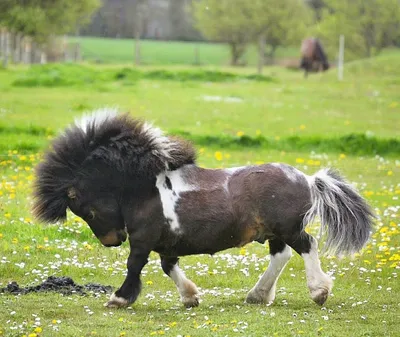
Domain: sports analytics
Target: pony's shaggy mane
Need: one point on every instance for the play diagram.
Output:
(127, 145)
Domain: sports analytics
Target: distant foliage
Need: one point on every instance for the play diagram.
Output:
(64, 75)
(225, 21)
(240, 22)
(40, 19)
(368, 26)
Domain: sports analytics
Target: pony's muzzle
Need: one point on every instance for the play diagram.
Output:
(113, 238)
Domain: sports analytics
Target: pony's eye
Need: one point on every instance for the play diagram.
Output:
(91, 214)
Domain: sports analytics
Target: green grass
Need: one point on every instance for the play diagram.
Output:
(164, 52)
(233, 122)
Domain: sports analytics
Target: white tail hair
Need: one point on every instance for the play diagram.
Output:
(345, 216)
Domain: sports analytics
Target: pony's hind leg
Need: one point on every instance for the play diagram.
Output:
(319, 283)
(264, 290)
(187, 289)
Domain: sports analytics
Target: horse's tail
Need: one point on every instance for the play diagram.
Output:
(345, 216)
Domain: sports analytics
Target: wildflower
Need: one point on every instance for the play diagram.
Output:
(258, 132)
(14, 241)
(149, 282)
(240, 133)
(299, 160)
(342, 156)
(390, 173)
(123, 333)
(38, 329)
(302, 127)
(7, 215)
(218, 155)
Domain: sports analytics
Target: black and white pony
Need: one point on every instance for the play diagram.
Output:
(126, 179)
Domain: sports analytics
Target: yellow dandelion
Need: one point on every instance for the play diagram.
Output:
(123, 333)
(14, 240)
(390, 173)
(26, 248)
(347, 122)
(1, 235)
(242, 251)
(299, 160)
(54, 321)
(218, 155)
(38, 329)
(240, 133)
(149, 282)
(7, 215)
(342, 156)
(32, 334)
(302, 127)
(258, 132)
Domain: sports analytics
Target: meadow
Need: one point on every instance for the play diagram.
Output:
(116, 51)
(234, 118)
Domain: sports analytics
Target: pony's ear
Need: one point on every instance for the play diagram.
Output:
(49, 209)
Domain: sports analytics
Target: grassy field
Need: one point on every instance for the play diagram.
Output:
(225, 113)
(165, 52)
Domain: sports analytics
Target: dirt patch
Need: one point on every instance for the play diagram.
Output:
(63, 285)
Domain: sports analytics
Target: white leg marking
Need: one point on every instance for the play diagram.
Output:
(318, 282)
(187, 289)
(264, 290)
(116, 302)
(170, 195)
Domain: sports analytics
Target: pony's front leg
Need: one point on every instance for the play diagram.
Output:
(130, 289)
(187, 289)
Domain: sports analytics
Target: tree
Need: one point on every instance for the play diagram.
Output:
(368, 25)
(226, 21)
(43, 18)
(277, 23)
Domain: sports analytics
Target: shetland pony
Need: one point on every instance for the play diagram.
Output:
(313, 56)
(127, 180)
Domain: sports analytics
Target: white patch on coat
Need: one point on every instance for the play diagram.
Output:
(96, 118)
(230, 172)
(291, 172)
(170, 197)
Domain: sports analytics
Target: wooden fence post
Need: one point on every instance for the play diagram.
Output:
(341, 58)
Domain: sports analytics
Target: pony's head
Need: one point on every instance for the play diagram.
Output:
(94, 162)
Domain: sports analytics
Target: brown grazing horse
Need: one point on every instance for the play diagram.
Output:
(313, 56)
(126, 179)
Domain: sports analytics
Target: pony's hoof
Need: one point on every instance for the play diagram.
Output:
(254, 297)
(116, 302)
(191, 302)
(320, 295)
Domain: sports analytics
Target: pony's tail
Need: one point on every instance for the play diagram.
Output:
(345, 216)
